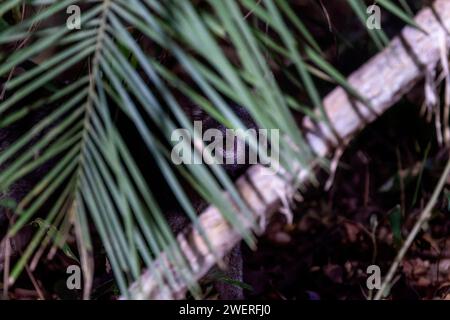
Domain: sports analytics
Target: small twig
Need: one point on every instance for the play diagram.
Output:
(6, 268)
(401, 182)
(248, 14)
(333, 167)
(20, 46)
(424, 217)
(35, 283)
(327, 16)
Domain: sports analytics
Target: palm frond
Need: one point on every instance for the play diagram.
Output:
(92, 172)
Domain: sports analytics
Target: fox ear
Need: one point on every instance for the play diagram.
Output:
(193, 111)
(197, 113)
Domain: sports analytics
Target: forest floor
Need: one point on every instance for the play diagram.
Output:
(382, 184)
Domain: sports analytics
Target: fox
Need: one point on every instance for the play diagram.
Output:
(176, 218)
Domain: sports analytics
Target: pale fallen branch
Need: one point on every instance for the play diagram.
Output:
(383, 80)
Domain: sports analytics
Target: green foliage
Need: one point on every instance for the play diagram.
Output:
(94, 176)
(395, 219)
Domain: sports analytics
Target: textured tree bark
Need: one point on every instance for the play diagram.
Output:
(383, 80)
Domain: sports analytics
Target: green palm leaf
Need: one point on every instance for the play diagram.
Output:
(94, 175)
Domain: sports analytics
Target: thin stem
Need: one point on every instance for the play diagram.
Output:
(424, 217)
